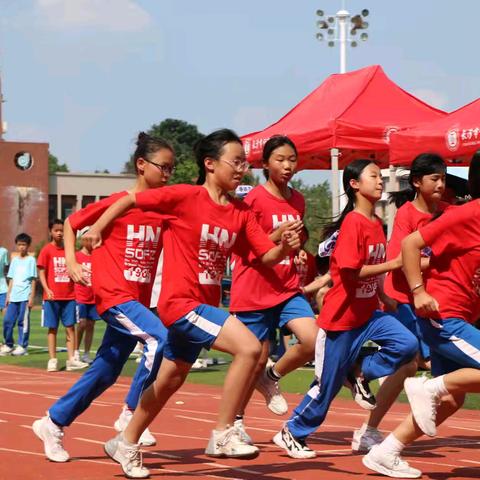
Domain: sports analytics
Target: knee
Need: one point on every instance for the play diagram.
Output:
(251, 352)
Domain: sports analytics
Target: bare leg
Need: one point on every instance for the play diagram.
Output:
(170, 378)
(465, 380)
(89, 328)
(70, 340)
(259, 368)
(235, 338)
(408, 431)
(305, 329)
(388, 393)
(79, 332)
(52, 342)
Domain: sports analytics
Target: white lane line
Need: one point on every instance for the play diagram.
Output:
(237, 469)
(195, 418)
(437, 464)
(26, 452)
(471, 461)
(157, 454)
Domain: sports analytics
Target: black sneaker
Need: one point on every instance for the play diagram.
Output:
(295, 447)
(361, 392)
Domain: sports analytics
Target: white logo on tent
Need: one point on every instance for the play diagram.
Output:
(452, 139)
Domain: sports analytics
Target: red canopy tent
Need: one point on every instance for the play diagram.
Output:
(456, 137)
(355, 112)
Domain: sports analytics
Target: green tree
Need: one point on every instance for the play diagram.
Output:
(318, 207)
(182, 136)
(54, 166)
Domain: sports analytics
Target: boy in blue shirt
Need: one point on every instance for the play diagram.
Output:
(21, 275)
(3, 280)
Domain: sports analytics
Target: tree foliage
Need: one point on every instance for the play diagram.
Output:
(182, 136)
(318, 208)
(55, 166)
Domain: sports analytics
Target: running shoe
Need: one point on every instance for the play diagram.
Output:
(389, 464)
(52, 437)
(295, 447)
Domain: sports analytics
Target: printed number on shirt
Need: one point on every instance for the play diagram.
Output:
(215, 243)
(277, 222)
(60, 270)
(368, 288)
(140, 251)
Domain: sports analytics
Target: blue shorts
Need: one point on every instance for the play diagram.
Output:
(406, 315)
(261, 322)
(87, 311)
(3, 299)
(196, 330)
(55, 310)
(454, 344)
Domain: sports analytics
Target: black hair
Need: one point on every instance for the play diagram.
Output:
(474, 176)
(272, 144)
(423, 164)
(352, 172)
(24, 238)
(212, 146)
(147, 145)
(56, 221)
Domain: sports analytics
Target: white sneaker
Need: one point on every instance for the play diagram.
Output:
(423, 404)
(228, 443)
(363, 440)
(199, 364)
(52, 437)
(19, 351)
(271, 391)
(85, 358)
(5, 350)
(146, 439)
(295, 447)
(75, 365)
(139, 359)
(128, 456)
(244, 436)
(52, 365)
(389, 464)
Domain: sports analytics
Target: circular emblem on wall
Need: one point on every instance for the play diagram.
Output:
(23, 161)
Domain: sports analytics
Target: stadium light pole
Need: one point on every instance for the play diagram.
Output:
(336, 27)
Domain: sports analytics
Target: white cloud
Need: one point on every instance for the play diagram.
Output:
(111, 15)
(432, 97)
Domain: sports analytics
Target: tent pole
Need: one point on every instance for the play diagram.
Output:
(393, 186)
(334, 153)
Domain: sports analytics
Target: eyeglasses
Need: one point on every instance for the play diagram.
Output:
(238, 165)
(166, 169)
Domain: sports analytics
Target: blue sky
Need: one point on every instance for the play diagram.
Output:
(87, 75)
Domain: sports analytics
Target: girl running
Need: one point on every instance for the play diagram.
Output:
(416, 206)
(447, 299)
(268, 298)
(203, 225)
(349, 316)
(123, 270)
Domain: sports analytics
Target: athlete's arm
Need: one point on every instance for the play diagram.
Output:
(114, 211)
(31, 298)
(289, 241)
(412, 246)
(43, 281)
(74, 269)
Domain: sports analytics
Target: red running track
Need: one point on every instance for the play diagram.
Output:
(182, 430)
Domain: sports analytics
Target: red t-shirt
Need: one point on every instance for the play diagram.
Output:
(349, 305)
(84, 293)
(454, 277)
(256, 286)
(199, 238)
(52, 259)
(123, 267)
(407, 220)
